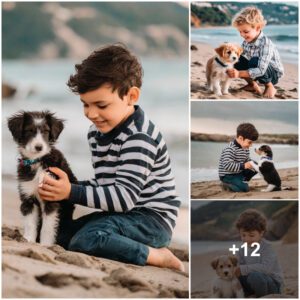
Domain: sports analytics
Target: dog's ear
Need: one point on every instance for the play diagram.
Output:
(56, 126)
(214, 263)
(240, 50)
(15, 124)
(233, 259)
(220, 50)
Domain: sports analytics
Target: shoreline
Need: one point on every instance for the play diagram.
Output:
(212, 189)
(287, 87)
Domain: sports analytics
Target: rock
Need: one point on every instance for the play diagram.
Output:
(194, 48)
(8, 91)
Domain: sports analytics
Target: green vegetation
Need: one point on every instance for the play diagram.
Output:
(221, 13)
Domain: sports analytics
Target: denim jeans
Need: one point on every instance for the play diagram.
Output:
(259, 284)
(119, 236)
(236, 182)
(245, 64)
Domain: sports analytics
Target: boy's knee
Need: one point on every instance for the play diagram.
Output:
(255, 279)
(243, 187)
(87, 242)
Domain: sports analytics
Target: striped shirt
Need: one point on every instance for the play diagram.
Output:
(233, 158)
(267, 54)
(132, 170)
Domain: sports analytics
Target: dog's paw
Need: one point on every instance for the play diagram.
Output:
(264, 190)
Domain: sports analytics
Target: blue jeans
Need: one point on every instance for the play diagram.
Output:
(259, 284)
(269, 76)
(119, 236)
(236, 182)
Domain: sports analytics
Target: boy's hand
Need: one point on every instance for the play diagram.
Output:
(248, 165)
(55, 189)
(233, 73)
(237, 272)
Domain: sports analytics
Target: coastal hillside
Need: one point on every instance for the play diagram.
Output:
(215, 220)
(221, 13)
(61, 29)
(289, 139)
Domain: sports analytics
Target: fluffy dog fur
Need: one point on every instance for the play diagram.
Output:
(218, 81)
(226, 285)
(267, 169)
(35, 134)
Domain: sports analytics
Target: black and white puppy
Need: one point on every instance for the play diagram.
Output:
(267, 169)
(35, 134)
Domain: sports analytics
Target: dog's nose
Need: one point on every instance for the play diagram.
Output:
(226, 273)
(38, 147)
(234, 58)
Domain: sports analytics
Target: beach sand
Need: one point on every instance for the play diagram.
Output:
(287, 87)
(212, 189)
(35, 271)
(202, 273)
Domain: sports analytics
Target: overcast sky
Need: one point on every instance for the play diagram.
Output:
(223, 117)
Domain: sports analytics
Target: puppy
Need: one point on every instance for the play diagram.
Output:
(35, 134)
(267, 169)
(218, 81)
(226, 285)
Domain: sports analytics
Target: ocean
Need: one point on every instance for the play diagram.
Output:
(42, 85)
(285, 37)
(205, 158)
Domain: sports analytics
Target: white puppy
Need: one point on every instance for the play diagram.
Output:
(226, 285)
(218, 81)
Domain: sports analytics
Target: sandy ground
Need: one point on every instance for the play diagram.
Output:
(31, 270)
(202, 273)
(287, 88)
(213, 190)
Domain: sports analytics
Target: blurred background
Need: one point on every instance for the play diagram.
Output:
(213, 126)
(211, 24)
(213, 232)
(42, 41)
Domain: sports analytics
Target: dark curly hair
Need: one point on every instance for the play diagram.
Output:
(247, 131)
(251, 219)
(113, 64)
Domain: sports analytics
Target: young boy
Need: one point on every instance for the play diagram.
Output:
(260, 60)
(234, 165)
(133, 184)
(259, 275)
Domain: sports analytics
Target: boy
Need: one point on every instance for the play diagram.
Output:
(234, 165)
(133, 184)
(260, 60)
(259, 275)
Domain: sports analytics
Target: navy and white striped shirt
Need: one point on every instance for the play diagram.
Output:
(132, 170)
(267, 54)
(233, 158)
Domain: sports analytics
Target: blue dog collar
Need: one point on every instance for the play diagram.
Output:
(266, 157)
(28, 162)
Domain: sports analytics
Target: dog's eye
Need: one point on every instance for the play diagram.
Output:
(221, 267)
(45, 131)
(229, 266)
(229, 52)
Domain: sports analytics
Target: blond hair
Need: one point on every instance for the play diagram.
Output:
(249, 15)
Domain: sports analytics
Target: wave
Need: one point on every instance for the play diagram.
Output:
(284, 38)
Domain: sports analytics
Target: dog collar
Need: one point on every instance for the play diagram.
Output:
(266, 157)
(28, 162)
(220, 63)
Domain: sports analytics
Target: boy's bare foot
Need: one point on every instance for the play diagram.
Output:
(270, 91)
(253, 87)
(164, 258)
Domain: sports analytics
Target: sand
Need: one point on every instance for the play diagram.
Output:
(202, 273)
(212, 189)
(287, 88)
(35, 271)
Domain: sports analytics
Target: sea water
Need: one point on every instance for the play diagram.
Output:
(285, 37)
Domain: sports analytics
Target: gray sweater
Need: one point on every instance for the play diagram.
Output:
(266, 263)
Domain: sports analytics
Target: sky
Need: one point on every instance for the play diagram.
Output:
(223, 117)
